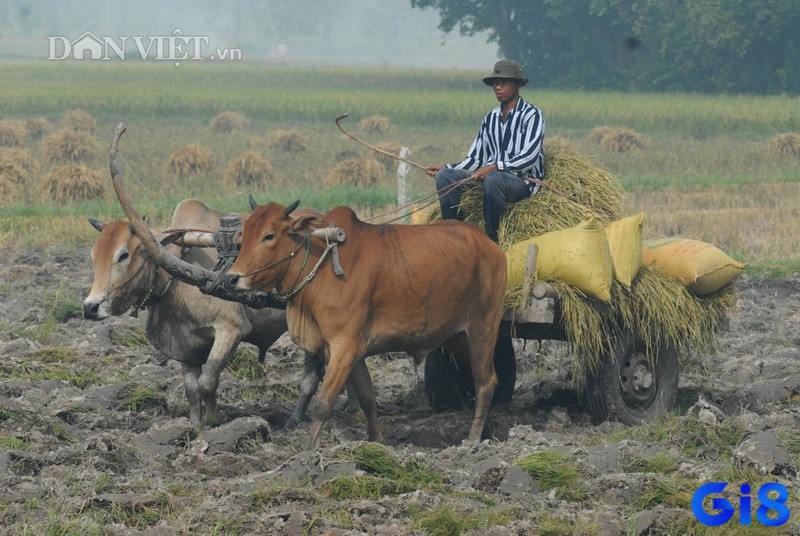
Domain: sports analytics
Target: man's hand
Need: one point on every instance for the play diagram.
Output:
(431, 170)
(481, 172)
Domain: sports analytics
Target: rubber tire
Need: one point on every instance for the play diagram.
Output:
(612, 398)
(449, 384)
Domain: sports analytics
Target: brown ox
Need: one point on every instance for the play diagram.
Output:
(405, 288)
(199, 331)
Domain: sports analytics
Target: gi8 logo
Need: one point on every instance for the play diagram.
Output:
(726, 509)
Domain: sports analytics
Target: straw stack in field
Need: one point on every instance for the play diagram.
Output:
(656, 306)
(289, 141)
(12, 133)
(190, 160)
(79, 120)
(363, 172)
(229, 122)
(249, 169)
(74, 182)
(68, 146)
(785, 145)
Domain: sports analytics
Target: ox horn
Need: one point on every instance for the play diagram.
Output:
(253, 202)
(97, 224)
(288, 210)
(205, 280)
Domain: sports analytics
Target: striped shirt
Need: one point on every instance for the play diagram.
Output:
(515, 145)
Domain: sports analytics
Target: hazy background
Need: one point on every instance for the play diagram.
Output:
(342, 32)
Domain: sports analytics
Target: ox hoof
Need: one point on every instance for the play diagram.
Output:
(291, 424)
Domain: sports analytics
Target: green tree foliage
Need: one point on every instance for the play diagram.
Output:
(660, 45)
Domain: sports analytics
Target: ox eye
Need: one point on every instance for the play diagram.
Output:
(122, 256)
(268, 237)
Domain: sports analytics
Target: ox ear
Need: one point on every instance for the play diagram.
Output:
(306, 224)
(97, 224)
(253, 202)
(288, 210)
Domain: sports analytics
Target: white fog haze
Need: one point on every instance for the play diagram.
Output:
(347, 32)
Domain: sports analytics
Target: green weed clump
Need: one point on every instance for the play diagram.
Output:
(140, 398)
(129, 337)
(385, 475)
(556, 470)
(446, 520)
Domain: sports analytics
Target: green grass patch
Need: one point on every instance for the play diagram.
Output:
(56, 354)
(663, 463)
(666, 491)
(690, 436)
(386, 475)
(12, 443)
(141, 398)
(244, 365)
(556, 470)
(446, 520)
(35, 371)
(130, 337)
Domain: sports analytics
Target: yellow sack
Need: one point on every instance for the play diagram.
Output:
(703, 267)
(625, 242)
(578, 256)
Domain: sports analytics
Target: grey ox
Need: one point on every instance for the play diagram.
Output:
(199, 331)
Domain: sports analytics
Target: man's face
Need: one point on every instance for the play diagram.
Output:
(505, 89)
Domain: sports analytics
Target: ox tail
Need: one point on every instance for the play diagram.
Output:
(262, 354)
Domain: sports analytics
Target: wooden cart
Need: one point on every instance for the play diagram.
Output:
(627, 386)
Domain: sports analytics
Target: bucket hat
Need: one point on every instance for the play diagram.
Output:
(509, 69)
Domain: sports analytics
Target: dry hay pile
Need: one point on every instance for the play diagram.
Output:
(249, 169)
(621, 140)
(346, 154)
(785, 145)
(558, 144)
(375, 124)
(16, 169)
(657, 306)
(189, 161)
(289, 141)
(597, 134)
(68, 146)
(12, 133)
(229, 122)
(37, 128)
(74, 182)
(363, 172)
(391, 147)
(79, 120)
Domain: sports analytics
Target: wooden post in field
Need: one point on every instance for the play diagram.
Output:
(403, 189)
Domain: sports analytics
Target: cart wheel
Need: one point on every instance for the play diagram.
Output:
(449, 383)
(629, 388)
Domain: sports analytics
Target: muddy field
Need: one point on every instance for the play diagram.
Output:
(95, 437)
